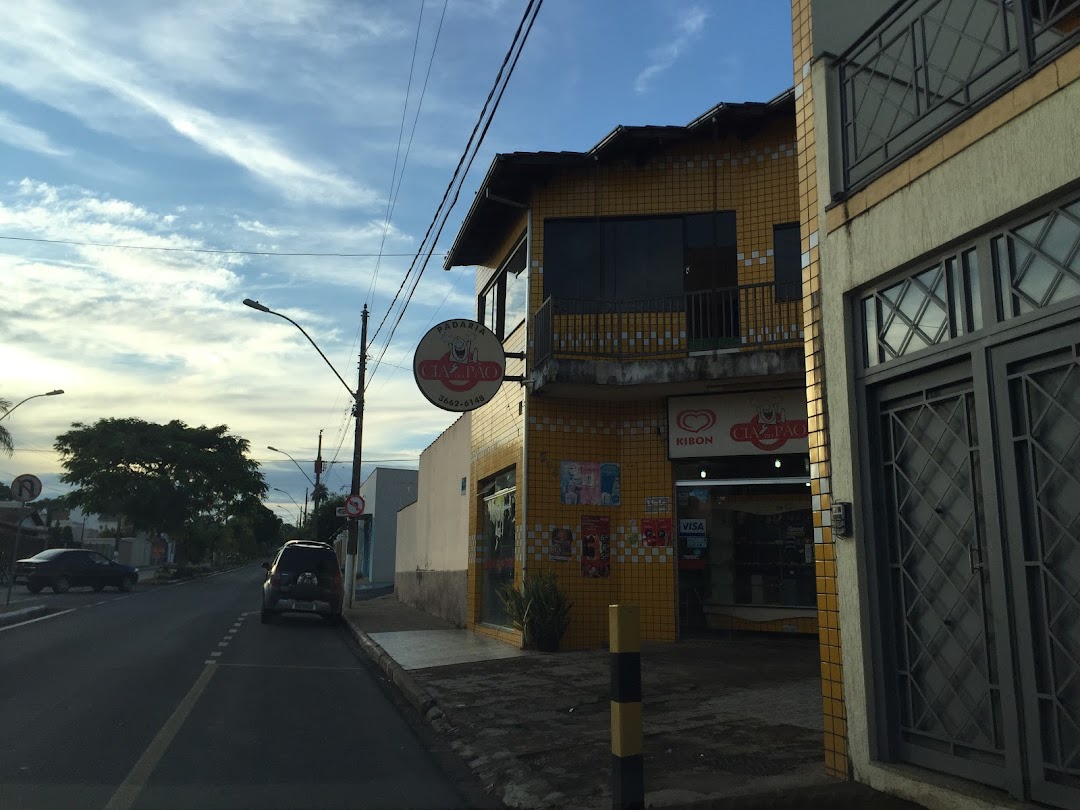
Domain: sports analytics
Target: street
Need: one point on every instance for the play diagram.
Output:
(177, 697)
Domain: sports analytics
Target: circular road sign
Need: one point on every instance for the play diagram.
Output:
(25, 488)
(354, 505)
(459, 365)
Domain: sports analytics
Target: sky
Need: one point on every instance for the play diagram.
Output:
(291, 126)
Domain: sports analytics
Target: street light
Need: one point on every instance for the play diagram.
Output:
(294, 461)
(291, 498)
(358, 436)
(57, 392)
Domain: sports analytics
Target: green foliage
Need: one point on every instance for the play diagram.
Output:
(323, 523)
(541, 610)
(6, 443)
(160, 477)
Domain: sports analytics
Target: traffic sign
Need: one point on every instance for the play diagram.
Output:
(27, 487)
(340, 512)
(354, 505)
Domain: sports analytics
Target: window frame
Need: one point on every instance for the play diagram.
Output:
(494, 293)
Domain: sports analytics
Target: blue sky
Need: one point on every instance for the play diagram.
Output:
(273, 125)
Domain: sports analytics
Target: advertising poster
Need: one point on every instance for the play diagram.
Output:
(595, 546)
(648, 531)
(561, 547)
(656, 531)
(590, 483)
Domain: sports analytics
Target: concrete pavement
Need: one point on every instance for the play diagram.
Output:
(177, 697)
(728, 721)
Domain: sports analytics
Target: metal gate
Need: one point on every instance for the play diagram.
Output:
(943, 660)
(1040, 425)
(977, 472)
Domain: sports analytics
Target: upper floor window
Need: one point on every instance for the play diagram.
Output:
(639, 258)
(787, 259)
(502, 304)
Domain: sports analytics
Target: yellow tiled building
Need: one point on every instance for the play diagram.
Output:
(649, 290)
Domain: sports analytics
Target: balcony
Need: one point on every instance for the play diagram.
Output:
(675, 343)
(926, 65)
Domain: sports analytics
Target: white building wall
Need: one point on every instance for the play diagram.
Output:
(433, 542)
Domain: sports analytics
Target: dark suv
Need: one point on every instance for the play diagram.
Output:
(303, 578)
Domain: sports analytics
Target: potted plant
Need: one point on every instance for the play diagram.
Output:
(540, 609)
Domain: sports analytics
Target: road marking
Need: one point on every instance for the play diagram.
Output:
(290, 666)
(223, 644)
(38, 619)
(131, 787)
(232, 631)
(215, 654)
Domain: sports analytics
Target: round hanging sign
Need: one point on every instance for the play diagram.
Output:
(459, 365)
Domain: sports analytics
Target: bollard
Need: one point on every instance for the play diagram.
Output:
(627, 762)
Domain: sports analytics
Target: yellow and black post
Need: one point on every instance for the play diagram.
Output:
(627, 763)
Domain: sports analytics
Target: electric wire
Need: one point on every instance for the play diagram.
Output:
(218, 251)
(454, 179)
(486, 127)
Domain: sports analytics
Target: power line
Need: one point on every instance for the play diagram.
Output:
(166, 249)
(457, 170)
(527, 24)
(397, 151)
(392, 203)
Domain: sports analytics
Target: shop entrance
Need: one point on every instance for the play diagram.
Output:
(745, 546)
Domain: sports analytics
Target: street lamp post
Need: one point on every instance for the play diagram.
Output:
(358, 436)
(57, 392)
(291, 498)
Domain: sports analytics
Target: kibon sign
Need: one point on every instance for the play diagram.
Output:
(459, 365)
(737, 424)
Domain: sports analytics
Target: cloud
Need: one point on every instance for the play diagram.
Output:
(689, 25)
(162, 335)
(24, 137)
(56, 56)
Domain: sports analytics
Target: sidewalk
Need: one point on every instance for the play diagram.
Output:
(726, 718)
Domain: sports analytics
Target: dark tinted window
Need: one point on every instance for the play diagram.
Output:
(571, 266)
(788, 262)
(301, 558)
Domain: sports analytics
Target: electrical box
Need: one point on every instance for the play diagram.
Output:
(841, 519)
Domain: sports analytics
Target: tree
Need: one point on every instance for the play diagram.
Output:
(160, 477)
(6, 443)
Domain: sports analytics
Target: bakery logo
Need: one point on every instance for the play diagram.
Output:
(695, 421)
(459, 365)
(461, 368)
(769, 429)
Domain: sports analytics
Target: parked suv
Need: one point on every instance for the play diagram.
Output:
(303, 578)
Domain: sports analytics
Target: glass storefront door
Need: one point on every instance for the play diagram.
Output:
(498, 502)
(743, 546)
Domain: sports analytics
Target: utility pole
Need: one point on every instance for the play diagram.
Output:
(303, 519)
(352, 545)
(315, 494)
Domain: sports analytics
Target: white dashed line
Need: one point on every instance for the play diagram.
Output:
(215, 654)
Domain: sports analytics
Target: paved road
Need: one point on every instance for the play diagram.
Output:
(177, 697)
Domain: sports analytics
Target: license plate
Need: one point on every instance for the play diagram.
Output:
(303, 606)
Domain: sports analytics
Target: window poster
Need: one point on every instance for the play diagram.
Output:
(595, 546)
(561, 547)
(590, 483)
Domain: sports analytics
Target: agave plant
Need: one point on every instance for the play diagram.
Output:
(540, 609)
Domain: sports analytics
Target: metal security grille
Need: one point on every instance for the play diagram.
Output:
(948, 708)
(1038, 263)
(1044, 395)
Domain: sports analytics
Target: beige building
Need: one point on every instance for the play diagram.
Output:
(432, 533)
(939, 173)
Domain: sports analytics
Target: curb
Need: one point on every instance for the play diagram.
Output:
(421, 699)
(24, 614)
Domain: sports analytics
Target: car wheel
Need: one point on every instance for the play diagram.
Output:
(266, 616)
(34, 587)
(333, 619)
(127, 584)
(61, 585)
